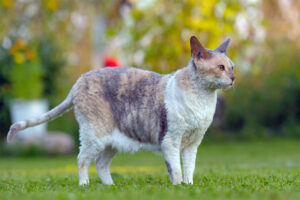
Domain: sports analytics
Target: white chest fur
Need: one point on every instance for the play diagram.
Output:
(188, 110)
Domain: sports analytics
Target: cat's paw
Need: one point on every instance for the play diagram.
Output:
(176, 183)
(84, 182)
(188, 181)
(108, 183)
(177, 180)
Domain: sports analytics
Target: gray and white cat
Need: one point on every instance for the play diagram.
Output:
(127, 110)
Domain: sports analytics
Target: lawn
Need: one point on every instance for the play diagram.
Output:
(256, 170)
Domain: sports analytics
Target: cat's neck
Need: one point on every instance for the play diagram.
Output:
(188, 99)
(189, 79)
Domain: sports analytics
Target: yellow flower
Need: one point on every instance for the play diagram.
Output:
(52, 5)
(19, 58)
(7, 3)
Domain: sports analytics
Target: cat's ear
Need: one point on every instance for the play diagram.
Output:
(197, 50)
(223, 47)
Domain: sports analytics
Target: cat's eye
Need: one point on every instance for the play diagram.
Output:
(221, 67)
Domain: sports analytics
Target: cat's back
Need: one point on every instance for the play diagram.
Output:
(128, 98)
(119, 83)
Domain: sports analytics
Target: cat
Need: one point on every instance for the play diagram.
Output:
(127, 109)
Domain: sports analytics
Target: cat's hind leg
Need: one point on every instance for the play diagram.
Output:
(89, 150)
(103, 163)
(83, 162)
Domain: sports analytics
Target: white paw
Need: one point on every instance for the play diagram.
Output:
(84, 182)
(108, 183)
(188, 182)
(177, 180)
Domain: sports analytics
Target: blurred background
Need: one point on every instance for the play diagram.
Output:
(46, 45)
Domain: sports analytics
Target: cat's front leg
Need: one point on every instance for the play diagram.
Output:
(171, 152)
(188, 160)
(189, 154)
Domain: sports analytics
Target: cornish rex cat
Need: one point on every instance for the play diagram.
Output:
(127, 110)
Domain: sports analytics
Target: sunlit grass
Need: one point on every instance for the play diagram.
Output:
(261, 170)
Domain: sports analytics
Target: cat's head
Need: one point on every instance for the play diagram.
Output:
(213, 67)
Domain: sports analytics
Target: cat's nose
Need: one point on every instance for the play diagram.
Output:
(232, 78)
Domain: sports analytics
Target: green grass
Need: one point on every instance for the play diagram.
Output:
(260, 170)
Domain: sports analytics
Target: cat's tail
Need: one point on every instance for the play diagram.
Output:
(52, 114)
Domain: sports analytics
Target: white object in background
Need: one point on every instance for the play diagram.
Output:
(21, 110)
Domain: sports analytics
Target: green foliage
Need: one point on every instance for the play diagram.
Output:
(257, 170)
(52, 61)
(162, 30)
(26, 80)
(30, 71)
(4, 92)
(268, 100)
(22, 70)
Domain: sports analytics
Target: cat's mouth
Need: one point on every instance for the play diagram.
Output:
(227, 86)
(221, 84)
